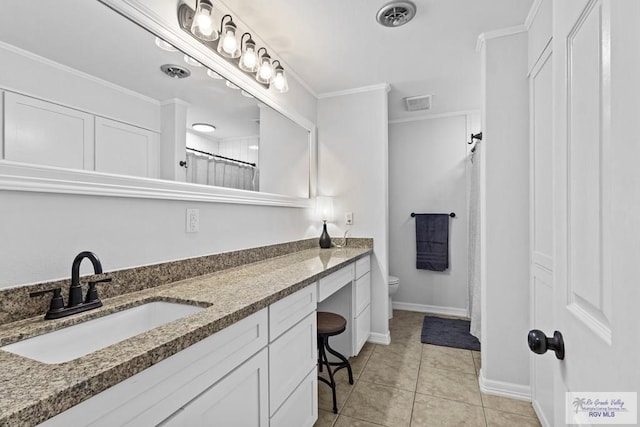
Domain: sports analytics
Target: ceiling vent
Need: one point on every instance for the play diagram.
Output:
(396, 13)
(175, 71)
(418, 103)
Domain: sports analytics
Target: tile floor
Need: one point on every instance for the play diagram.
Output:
(409, 383)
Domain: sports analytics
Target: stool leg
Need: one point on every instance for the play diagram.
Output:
(325, 361)
(319, 354)
(345, 362)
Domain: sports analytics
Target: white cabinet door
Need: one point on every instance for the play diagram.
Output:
(43, 133)
(291, 357)
(301, 408)
(126, 150)
(240, 399)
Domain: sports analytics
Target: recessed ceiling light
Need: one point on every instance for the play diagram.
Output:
(203, 127)
(231, 85)
(214, 75)
(165, 45)
(189, 60)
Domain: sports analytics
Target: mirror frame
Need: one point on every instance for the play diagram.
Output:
(15, 176)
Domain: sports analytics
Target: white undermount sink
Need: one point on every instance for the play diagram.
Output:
(74, 341)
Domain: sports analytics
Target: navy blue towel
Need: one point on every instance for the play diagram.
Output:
(432, 241)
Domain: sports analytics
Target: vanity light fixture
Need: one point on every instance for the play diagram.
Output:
(199, 23)
(265, 69)
(245, 94)
(164, 45)
(202, 25)
(231, 85)
(228, 45)
(279, 80)
(189, 60)
(214, 75)
(249, 59)
(203, 127)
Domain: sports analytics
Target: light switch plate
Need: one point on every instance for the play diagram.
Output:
(193, 220)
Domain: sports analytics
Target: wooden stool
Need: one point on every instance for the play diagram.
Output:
(330, 324)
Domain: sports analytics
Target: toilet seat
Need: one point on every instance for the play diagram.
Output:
(393, 280)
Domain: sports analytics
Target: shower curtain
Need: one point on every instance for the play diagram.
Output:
(205, 170)
(474, 241)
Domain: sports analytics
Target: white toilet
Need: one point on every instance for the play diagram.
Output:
(394, 285)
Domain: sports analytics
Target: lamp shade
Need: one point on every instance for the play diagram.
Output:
(324, 208)
(203, 26)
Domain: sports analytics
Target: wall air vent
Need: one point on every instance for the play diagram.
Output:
(418, 103)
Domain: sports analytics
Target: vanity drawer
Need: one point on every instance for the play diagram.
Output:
(290, 310)
(333, 282)
(363, 266)
(362, 294)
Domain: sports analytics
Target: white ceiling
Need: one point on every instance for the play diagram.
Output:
(336, 45)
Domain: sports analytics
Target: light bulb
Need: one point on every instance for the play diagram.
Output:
(249, 59)
(202, 26)
(278, 81)
(266, 71)
(230, 44)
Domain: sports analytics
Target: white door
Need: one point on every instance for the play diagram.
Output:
(596, 197)
(541, 238)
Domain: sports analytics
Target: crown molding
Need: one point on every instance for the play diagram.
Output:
(381, 86)
(482, 38)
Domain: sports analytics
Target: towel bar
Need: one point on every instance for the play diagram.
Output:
(452, 214)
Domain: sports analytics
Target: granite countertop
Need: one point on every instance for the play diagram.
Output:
(32, 392)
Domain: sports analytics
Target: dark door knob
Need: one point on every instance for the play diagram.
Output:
(539, 343)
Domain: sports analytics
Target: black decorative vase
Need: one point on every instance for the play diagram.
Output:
(325, 240)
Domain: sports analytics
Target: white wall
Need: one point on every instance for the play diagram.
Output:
(427, 174)
(42, 233)
(505, 215)
(353, 168)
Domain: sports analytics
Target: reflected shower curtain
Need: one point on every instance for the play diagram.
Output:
(474, 242)
(205, 170)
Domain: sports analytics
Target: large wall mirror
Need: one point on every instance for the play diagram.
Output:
(87, 91)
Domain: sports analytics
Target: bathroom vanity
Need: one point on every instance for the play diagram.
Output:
(247, 358)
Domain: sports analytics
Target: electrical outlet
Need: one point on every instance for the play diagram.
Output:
(348, 218)
(193, 220)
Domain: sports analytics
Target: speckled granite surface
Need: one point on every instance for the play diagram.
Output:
(31, 392)
(15, 303)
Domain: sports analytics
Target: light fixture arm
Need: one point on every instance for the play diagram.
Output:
(243, 42)
(222, 21)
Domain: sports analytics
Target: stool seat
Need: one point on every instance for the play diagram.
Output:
(330, 324)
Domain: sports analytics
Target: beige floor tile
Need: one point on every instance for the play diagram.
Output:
(475, 354)
(410, 350)
(379, 404)
(455, 359)
(343, 389)
(434, 411)
(504, 404)
(478, 364)
(344, 421)
(451, 385)
(358, 363)
(505, 419)
(393, 370)
(325, 419)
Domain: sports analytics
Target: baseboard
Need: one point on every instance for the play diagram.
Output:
(377, 338)
(504, 389)
(433, 309)
(543, 420)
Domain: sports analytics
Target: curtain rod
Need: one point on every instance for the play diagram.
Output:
(221, 157)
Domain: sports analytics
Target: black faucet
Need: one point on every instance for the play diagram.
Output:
(75, 291)
(76, 303)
